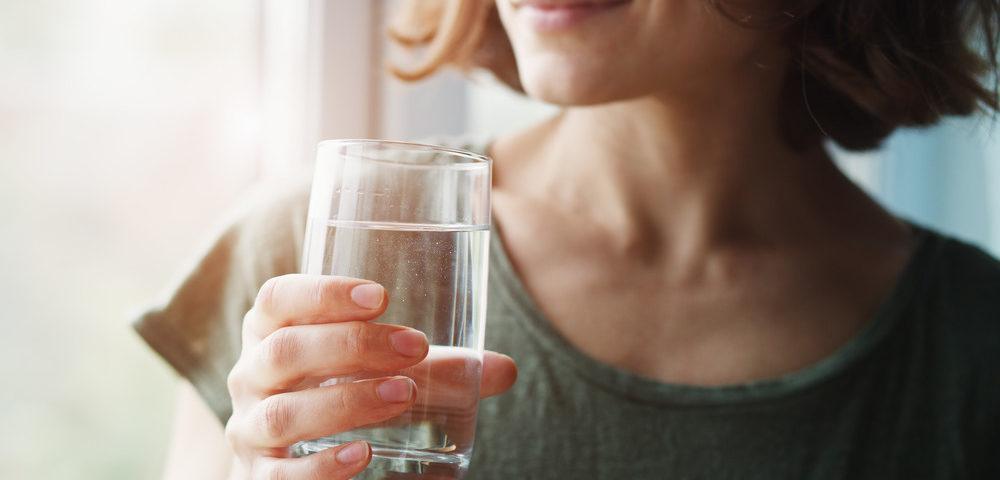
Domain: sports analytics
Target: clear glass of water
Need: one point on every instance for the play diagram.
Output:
(414, 218)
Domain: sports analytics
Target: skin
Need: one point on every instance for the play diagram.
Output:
(664, 226)
(303, 327)
(661, 223)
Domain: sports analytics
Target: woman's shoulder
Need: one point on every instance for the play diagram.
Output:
(961, 301)
(266, 227)
(970, 277)
(272, 208)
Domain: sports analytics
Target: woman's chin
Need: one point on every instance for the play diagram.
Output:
(571, 89)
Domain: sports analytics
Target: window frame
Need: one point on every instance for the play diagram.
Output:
(306, 96)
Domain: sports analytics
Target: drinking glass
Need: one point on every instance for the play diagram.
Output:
(414, 218)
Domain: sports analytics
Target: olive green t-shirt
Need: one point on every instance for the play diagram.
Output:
(915, 395)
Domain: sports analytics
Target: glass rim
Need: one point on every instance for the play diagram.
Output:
(473, 159)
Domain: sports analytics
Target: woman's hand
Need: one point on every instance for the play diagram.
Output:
(304, 327)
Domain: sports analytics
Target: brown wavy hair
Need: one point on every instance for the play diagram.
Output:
(864, 67)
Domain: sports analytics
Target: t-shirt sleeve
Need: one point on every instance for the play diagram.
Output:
(197, 328)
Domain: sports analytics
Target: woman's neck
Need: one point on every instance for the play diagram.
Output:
(683, 178)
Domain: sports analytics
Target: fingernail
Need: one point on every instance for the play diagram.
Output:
(397, 390)
(353, 453)
(369, 295)
(412, 343)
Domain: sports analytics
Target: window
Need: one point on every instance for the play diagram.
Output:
(126, 126)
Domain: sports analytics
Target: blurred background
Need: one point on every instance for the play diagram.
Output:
(129, 127)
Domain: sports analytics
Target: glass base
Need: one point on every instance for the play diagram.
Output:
(396, 464)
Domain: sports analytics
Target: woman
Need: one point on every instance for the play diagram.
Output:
(689, 286)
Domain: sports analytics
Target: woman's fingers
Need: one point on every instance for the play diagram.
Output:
(452, 377)
(337, 463)
(309, 327)
(499, 374)
(281, 420)
(307, 299)
(290, 354)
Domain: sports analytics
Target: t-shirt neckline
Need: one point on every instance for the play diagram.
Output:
(911, 280)
(908, 284)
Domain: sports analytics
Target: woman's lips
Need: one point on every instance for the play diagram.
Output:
(550, 15)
